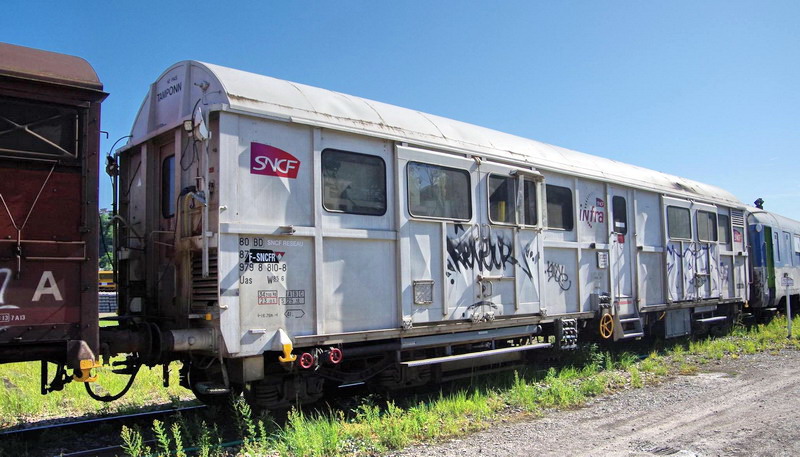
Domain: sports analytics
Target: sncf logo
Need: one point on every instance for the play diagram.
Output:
(269, 160)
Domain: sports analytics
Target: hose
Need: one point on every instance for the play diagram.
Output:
(110, 398)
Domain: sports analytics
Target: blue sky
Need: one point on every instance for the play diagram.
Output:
(707, 90)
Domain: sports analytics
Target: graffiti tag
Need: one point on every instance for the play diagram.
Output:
(487, 253)
(558, 273)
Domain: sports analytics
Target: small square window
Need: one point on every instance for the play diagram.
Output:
(559, 208)
(502, 199)
(438, 192)
(353, 183)
(679, 223)
(706, 226)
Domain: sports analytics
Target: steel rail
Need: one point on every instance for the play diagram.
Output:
(28, 432)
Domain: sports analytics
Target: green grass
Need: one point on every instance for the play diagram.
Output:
(372, 429)
(377, 427)
(21, 400)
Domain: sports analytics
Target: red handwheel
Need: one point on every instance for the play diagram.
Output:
(306, 360)
(335, 356)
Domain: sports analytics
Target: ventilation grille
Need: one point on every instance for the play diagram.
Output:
(205, 292)
(737, 217)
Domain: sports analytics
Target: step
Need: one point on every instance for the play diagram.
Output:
(210, 388)
(631, 335)
(475, 355)
(629, 319)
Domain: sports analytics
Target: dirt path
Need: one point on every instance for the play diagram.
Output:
(748, 406)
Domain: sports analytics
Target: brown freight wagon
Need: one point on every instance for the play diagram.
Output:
(49, 142)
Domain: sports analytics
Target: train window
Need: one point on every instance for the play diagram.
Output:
(679, 222)
(776, 243)
(353, 183)
(529, 199)
(787, 242)
(502, 199)
(168, 187)
(724, 223)
(39, 129)
(797, 244)
(440, 192)
(559, 208)
(620, 213)
(706, 226)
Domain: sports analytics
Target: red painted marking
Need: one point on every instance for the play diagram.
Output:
(271, 161)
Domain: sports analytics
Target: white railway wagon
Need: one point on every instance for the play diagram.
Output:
(277, 227)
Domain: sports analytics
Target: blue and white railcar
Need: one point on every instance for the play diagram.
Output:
(775, 259)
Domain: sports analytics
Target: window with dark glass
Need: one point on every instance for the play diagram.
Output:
(530, 205)
(502, 199)
(440, 192)
(168, 187)
(706, 226)
(503, 205)
(353, 183)
(679, 223)
(724, 228)
(620, 214)
(559, 208)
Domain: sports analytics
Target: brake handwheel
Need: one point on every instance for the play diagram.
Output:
(606, 326)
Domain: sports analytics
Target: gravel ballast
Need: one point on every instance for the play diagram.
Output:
(745, 406)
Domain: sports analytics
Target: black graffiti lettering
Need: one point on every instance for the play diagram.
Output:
(558, 273)
(486, 253)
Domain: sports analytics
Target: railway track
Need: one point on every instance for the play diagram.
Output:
(81, 438)
(71, 438)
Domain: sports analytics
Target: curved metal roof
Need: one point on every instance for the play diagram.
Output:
(762, 216)
(36, 64)
(262, 95)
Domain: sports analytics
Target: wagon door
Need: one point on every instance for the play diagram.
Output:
(163, 238)
(622, 265)
(440, 235)
(692, 261)
(508, 258)
(706, 277)
(679, 267)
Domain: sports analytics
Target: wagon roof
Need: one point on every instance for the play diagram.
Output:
(762, 216)
(38, 65)
(262, 95)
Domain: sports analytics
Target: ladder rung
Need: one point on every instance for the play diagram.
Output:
(632, 335)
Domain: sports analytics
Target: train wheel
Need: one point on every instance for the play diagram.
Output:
(607, 326)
